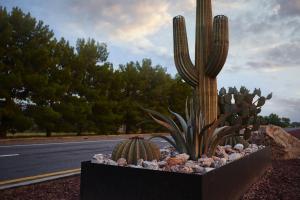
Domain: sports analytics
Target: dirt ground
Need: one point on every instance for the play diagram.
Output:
(282, 182)
(57, 139)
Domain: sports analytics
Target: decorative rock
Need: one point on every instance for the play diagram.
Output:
(253, 147)
(165, 153)
(140, 162)
(206, 162)
(122, 162)
(178, 160)
(110, 162)
(283, 144)
(135, 166)
(248, 150)
(208, 169)
(218, 162)
(228, 149)
(174, 154)
(151, 165)
(234, 156)
(174, 168)
(239, 147)
(220, 152)
(198, 169)
(187, 170)
(162, 164)
(98, 159)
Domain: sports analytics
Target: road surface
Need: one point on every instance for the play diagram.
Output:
(18, 161)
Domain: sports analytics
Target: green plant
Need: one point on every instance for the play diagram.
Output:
(244, 107)
(134, 149)
(210, 56)
(192, 136)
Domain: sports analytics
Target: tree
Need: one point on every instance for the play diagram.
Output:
(25, 57)
(285, 122)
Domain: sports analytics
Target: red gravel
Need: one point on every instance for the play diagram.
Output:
(295, 133)
(60, 189)
(280, 183)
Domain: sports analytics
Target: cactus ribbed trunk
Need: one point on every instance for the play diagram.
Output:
(210, 55)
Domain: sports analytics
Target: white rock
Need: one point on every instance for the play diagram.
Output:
(220, 152)
(248, 150)
(140, 162)
(184, 157)
(239, 147)
(234, 156)
(219, 162)
(162, 164)
(186, 169)
(151, 165)
(110, 162)
(122, 162)
(198, 169)
(254, 147)
(208, 169)
(98, 158)
(228, 146)
(174, 168)
(135, 166)
(206, 162)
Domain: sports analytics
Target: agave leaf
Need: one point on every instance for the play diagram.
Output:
(164, 118)
(172, 126)
(181, 121)
(219, 135)
(162, 123)
(187, 115)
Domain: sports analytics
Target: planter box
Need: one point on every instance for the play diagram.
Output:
(227, 182)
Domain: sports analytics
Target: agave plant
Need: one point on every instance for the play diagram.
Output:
(191, 135)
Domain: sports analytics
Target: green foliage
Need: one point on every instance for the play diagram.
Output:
(245, 107)
(191, 135)
(134, 149)
(274, 119)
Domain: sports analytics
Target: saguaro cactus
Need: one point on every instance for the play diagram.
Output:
(211, 53)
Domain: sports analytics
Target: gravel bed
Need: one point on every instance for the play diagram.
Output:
(282, 182)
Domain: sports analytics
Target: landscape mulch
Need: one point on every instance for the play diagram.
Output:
(282, 182)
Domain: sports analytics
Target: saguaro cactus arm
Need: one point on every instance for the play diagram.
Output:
(220, 45)
(183, 61)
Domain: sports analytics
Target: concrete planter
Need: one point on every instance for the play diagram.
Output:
(227, 182)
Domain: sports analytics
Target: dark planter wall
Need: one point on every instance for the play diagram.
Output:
(116, 183)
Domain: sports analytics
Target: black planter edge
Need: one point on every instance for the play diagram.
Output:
(231, 180)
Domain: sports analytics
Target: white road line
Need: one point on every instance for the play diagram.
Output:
(9, 155)
(58, 143)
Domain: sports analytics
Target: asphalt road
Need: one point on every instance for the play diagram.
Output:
(17, 161)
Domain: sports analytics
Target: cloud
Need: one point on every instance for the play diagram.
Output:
(284, 107)
(289, 8)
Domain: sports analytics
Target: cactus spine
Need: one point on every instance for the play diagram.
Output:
(134, 149)
(210, 55)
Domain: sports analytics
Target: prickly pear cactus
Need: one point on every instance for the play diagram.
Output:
(134, 149)
(245, 107)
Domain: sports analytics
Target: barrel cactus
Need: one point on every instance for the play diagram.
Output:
(134, 149)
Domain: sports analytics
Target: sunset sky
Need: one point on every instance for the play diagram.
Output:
(264, 38)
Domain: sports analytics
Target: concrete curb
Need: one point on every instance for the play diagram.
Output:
(39, 180)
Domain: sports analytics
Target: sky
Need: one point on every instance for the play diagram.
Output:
(264, 38)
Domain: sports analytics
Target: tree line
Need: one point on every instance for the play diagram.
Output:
(48, 85)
